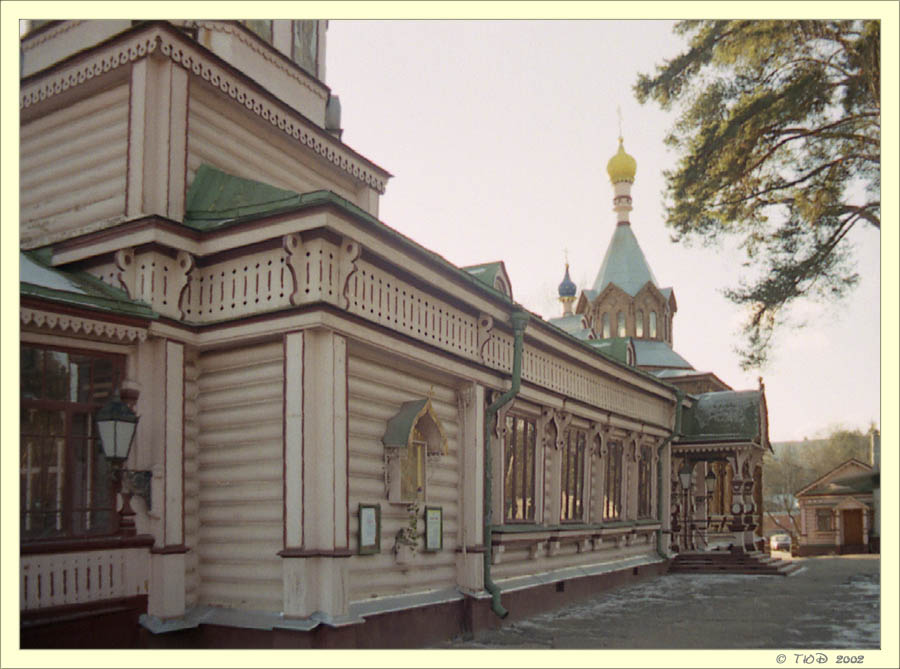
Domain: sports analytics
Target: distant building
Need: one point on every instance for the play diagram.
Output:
(342, 439)
(837, 511)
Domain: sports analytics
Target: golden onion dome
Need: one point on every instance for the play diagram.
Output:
(621, 167)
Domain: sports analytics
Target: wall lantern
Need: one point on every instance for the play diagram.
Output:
(710, 482)
(116, 424)
(685, 474)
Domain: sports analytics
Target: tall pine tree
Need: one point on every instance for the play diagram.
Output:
(779, 137)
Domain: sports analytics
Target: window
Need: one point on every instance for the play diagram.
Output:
(65, 486)
(305, 45)
(612, 488)
(260, 27)
(519, 461)
(653, 325)
(824, 520)
(639, 323)
(605, 322)
(645, 483)
(621, 324)
(572, 474)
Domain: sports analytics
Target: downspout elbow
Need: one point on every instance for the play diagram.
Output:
(519, 320)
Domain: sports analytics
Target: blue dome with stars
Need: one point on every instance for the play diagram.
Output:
(567, 288)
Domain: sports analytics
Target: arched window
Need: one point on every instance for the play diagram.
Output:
(612, 484)
(639, 323)
(572, 475)
(645, 483)
(605, 321)
(652, 325)
(620, 326)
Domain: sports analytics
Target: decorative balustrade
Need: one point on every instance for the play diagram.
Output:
(57, 579)
(298, 272)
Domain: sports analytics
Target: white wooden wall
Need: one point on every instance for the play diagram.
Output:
(191, 479)
(376, 392)
(73, 167)
(240, 477)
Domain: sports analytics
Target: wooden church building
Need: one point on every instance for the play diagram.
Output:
(339, 438)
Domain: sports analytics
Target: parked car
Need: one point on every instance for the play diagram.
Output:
(780, 542)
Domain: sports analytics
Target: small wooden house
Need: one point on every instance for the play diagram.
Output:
(837, 511)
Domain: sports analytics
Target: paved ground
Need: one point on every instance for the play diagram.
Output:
(832, 602)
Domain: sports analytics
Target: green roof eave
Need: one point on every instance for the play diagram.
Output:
(95, 302)
(39, 280)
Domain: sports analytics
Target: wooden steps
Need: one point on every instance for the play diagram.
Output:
(728, 562)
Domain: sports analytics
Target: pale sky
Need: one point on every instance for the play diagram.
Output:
(498, 133)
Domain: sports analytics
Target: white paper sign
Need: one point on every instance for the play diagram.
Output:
(368, 526)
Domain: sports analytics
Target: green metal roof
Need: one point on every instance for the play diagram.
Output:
(216, 197)
(573, 324)
(615, 347)
(38, 279)
(624, 263)
(652, 353)
(725, 415)
(486, 272)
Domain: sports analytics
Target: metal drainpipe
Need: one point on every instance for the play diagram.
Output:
(679, 398)
(519, 320)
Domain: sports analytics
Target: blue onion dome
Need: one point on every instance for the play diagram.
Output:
(567, 288)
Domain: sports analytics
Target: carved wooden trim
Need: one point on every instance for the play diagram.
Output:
(30, 43)
(349, 254)
(485, 325)
(110, 58)
(294, 72)
(292, 245)
(561, 421)
(76, 324)
(139, 46)
(185, 263)
(127, 275)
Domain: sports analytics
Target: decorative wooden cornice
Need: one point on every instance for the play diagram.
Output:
(102, 60)
(272, 57)
(66, 323)
(51, 32)
(198, 61)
